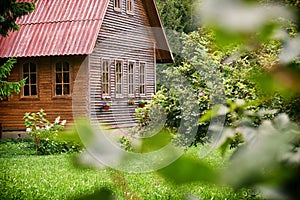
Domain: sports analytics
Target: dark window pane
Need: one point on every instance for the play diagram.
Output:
(32, 67)
(66, 67)
(33, 90)
(26, 90)
(58, 67)
(58, 78)
(58, 90)
(33, 79)
(66, 89)
(26, 67)
(66, 78)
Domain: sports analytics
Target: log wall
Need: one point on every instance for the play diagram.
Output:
(13, 110)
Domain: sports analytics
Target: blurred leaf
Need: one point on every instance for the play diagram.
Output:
(156, 142)
(70, 136)
(102, 194)
(267, 31)
(259, 160)
(217, 110)
(227, 38)
(185, 170)
(270, 83)
(83, 131)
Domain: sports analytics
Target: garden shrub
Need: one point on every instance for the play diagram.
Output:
(45, 134)
(205, 62)
(49, 147)
(17, 147)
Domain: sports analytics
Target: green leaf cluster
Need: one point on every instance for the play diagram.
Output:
(8, 88)
(10, 11)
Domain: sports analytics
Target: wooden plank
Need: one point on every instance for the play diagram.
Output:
(13, 110)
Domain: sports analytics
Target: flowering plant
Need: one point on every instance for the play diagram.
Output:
(131, 102)
(106, 104)
(40, 128)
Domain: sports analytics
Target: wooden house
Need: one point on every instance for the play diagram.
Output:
(78, 54)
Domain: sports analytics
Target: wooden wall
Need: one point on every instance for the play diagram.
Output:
(13, 110)
(123, 37)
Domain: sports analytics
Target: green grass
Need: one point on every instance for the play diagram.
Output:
(55, 177)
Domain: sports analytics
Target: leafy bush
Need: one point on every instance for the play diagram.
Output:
(217, 74)
(125, 143)
(17, 147)
(49, 147)
(45, 134)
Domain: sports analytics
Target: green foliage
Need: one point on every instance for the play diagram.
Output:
(49, 147)
(125, 143)
(177, 15)
(185, 169)
(142, 116)
(10, 11)
(7, 88)
(48, 136)
(17, 147)
(40, 128)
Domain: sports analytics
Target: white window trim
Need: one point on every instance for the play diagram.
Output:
(145, 78)
(130, 12)
(116, 8)
(133, 73)
(122, 79)
(109, 78)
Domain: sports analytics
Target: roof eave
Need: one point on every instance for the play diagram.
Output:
(164, 53)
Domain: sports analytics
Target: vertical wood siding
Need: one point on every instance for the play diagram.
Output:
(123, 37)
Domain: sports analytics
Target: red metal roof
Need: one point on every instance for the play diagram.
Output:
(56, 27)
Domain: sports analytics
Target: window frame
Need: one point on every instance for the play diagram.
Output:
(22, 96)
(130, 12)
(145, 79)
(63, 96)
(116, 8)
(119, 95)
(133, 73)
(108, 95)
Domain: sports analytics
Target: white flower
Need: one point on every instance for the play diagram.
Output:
(63, 122)
(47, 127)
(37, 127)
(28, 130)
(57, 120)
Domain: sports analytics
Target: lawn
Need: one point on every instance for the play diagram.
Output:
(25, 176)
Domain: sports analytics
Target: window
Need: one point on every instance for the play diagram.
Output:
(105, 77)
(62, 79)
(119, 74)
(130, 6)
(142, 77)
(30, 72)
(130, 78)
(118, 5)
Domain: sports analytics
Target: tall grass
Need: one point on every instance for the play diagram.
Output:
(55, 177)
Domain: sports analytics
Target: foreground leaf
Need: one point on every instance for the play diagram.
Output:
(186, 170)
